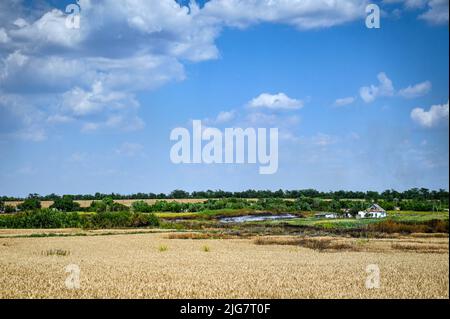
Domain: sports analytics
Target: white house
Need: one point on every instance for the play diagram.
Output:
(374, 211)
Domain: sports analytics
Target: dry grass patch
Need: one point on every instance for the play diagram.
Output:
(421, 248)
(199, 236)
(320, 244)
(330, 244)
(392, 226)
(56, 252)
(429, 235)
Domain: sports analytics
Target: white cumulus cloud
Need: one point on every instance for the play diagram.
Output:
(416, 90)
(300, 14)
(384, 88)
(3, 36)
(344, 101)
(224, 116)
(437, 12)
(275, 101)
(436, 115)
(130, 46)
(80, 102)
(434, 12)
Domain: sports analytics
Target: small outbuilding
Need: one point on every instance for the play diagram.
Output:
(326, 215)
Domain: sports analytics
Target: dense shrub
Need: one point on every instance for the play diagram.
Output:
(10, 209)
(438, 226)
(119, 220)
(44, 218)
(108, 220)
(163, 206)
(143, 220)
(7, 209)
(141, 206)
(49, 218)
(107, 205)
(419, 205)
(65, 204)
(30, 203)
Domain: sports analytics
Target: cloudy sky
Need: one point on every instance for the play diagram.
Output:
(91, 109)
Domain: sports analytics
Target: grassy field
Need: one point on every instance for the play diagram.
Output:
(209, 214)
(416, 216)
(349, 223)
(151, 265)
(331, 223)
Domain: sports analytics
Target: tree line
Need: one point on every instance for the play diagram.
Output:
(67, 204)
(387, 195)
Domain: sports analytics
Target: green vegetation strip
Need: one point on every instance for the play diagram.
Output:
(48, 218)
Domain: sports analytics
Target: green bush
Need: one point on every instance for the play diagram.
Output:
(419, 205)
(49, 218)
(109, 220)
(65, 204)
(44, 218)
(30, 203)
(143, 220)
(120, 220)
(141, 207)
(9, 209)
(107, 204)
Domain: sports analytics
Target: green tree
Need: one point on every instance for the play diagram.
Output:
(9, 209)
(107, 204)
(65, 204)
(141, 207)
(179, 194)
(31, 203)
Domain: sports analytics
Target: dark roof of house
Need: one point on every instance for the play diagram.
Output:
(375, 208)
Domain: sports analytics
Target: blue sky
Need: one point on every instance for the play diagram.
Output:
(91, 109)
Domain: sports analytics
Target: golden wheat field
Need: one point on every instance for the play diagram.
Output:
(164, 265)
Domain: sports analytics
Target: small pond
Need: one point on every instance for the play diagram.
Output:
(255, 218)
